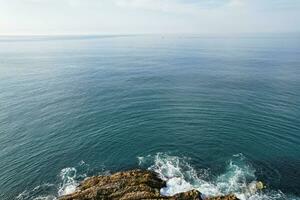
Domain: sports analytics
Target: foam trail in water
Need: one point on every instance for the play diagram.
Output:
(180, 176)
(69, 183)
(35, 193)
(69, 179)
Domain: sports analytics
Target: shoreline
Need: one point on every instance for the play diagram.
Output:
(131, 185)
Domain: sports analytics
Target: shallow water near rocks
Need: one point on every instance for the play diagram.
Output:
(210, 113)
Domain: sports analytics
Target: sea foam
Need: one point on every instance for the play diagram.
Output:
(68, 180)
(180, 176)
(69, 183)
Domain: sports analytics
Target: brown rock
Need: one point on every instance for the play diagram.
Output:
(226, 197)
(129, 185)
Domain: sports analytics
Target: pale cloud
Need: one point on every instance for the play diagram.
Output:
(176, 6)
(157, 5)
(148, 16)
(236, 3)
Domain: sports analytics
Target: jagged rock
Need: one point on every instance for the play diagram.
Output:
(129, 185)
(190, 195)
(226, 197)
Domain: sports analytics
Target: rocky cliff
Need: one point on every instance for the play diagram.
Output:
(130, 185)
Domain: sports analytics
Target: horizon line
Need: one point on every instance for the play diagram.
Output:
(142, 34)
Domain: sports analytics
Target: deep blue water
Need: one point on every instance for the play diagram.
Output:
(219, 112)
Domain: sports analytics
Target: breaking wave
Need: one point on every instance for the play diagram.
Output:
(35, 194)
(180, 176)
(67, 182)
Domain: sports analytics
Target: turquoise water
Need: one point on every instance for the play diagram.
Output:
(214, 112)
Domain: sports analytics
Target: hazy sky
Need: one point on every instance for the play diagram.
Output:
(148, 16)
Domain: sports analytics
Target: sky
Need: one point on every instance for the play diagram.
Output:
(55, 17)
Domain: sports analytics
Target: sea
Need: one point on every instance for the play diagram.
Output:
(212, 113)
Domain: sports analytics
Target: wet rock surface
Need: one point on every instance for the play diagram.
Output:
(130, 185)
(227, 197)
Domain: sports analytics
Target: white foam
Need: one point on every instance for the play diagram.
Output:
(69, 180)
(50, 197)
(69, 183)
(35, 193)
(180, 176)
(175, 185)
(22, 195)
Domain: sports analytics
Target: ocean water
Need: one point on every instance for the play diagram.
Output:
(209, 113)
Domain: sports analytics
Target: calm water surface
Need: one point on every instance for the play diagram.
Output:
(218, 112)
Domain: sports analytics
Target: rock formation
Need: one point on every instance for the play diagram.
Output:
(130, 185)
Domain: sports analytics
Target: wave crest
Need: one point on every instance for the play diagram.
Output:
(180, 176)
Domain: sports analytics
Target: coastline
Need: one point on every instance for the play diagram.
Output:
(132, 185)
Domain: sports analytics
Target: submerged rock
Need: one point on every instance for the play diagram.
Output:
(130, 185)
